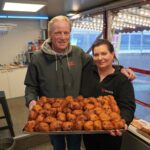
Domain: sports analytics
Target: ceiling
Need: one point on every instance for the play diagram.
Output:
(124, 20)
(62, 7)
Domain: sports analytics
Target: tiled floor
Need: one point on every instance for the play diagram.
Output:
(19, 114)
(45, 146)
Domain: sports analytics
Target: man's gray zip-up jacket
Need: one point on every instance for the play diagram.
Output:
(53, 74)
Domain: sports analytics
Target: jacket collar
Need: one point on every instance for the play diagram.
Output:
(46, 48)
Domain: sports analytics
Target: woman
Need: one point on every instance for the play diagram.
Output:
(101, 78)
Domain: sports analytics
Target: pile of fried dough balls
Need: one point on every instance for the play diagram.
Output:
(74, 114)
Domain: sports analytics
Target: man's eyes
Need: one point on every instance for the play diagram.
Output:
(60, 33)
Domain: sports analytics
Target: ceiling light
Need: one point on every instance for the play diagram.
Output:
(22, 7)
(75, 17)
(70, 14)
(24, 17)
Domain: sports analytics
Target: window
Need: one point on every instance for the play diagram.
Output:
(124, 44)
(83, 38)
(135, 41)
(146, 42)
(134, 51)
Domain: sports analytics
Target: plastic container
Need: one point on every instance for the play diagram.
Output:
(7, 144)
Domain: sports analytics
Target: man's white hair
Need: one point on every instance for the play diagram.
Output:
(58, 18)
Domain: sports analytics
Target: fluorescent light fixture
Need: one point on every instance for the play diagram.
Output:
(3, 16)
(70, 14)
(27, 17)
(75, 16)
(24, 17)
(22, 7)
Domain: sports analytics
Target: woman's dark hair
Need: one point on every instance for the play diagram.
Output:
(103, 42)
(107, 43)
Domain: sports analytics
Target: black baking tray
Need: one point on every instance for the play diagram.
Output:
(74, 132)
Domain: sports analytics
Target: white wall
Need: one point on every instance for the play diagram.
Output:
(16, 40)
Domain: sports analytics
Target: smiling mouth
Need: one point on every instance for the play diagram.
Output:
(101, 63)
(62, 42)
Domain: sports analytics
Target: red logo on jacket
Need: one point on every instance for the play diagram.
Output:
(71, 63)
(106, 91)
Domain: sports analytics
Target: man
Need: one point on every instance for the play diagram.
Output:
(55, 71)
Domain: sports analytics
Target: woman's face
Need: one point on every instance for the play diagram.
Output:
(103, 58)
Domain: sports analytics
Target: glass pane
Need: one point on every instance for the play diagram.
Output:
(135, 42)
(142, 87)
(146, 42)
(124, 42)
(83, 38)
(133, 50)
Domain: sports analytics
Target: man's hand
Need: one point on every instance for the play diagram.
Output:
(31, 104)
(117, 132)
(128, 73)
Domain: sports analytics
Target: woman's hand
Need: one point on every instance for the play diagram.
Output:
(117, 132)
(129, 73)
(31, 104)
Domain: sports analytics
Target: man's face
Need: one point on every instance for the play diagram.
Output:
(60, 35)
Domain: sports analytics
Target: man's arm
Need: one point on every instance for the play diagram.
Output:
(31, 104)
(129, 73)
(31, 82)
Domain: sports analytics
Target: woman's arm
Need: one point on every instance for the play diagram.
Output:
(126, 103)
(126, 100)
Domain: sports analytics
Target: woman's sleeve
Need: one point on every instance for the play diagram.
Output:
(126, 100)
(85, 87)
